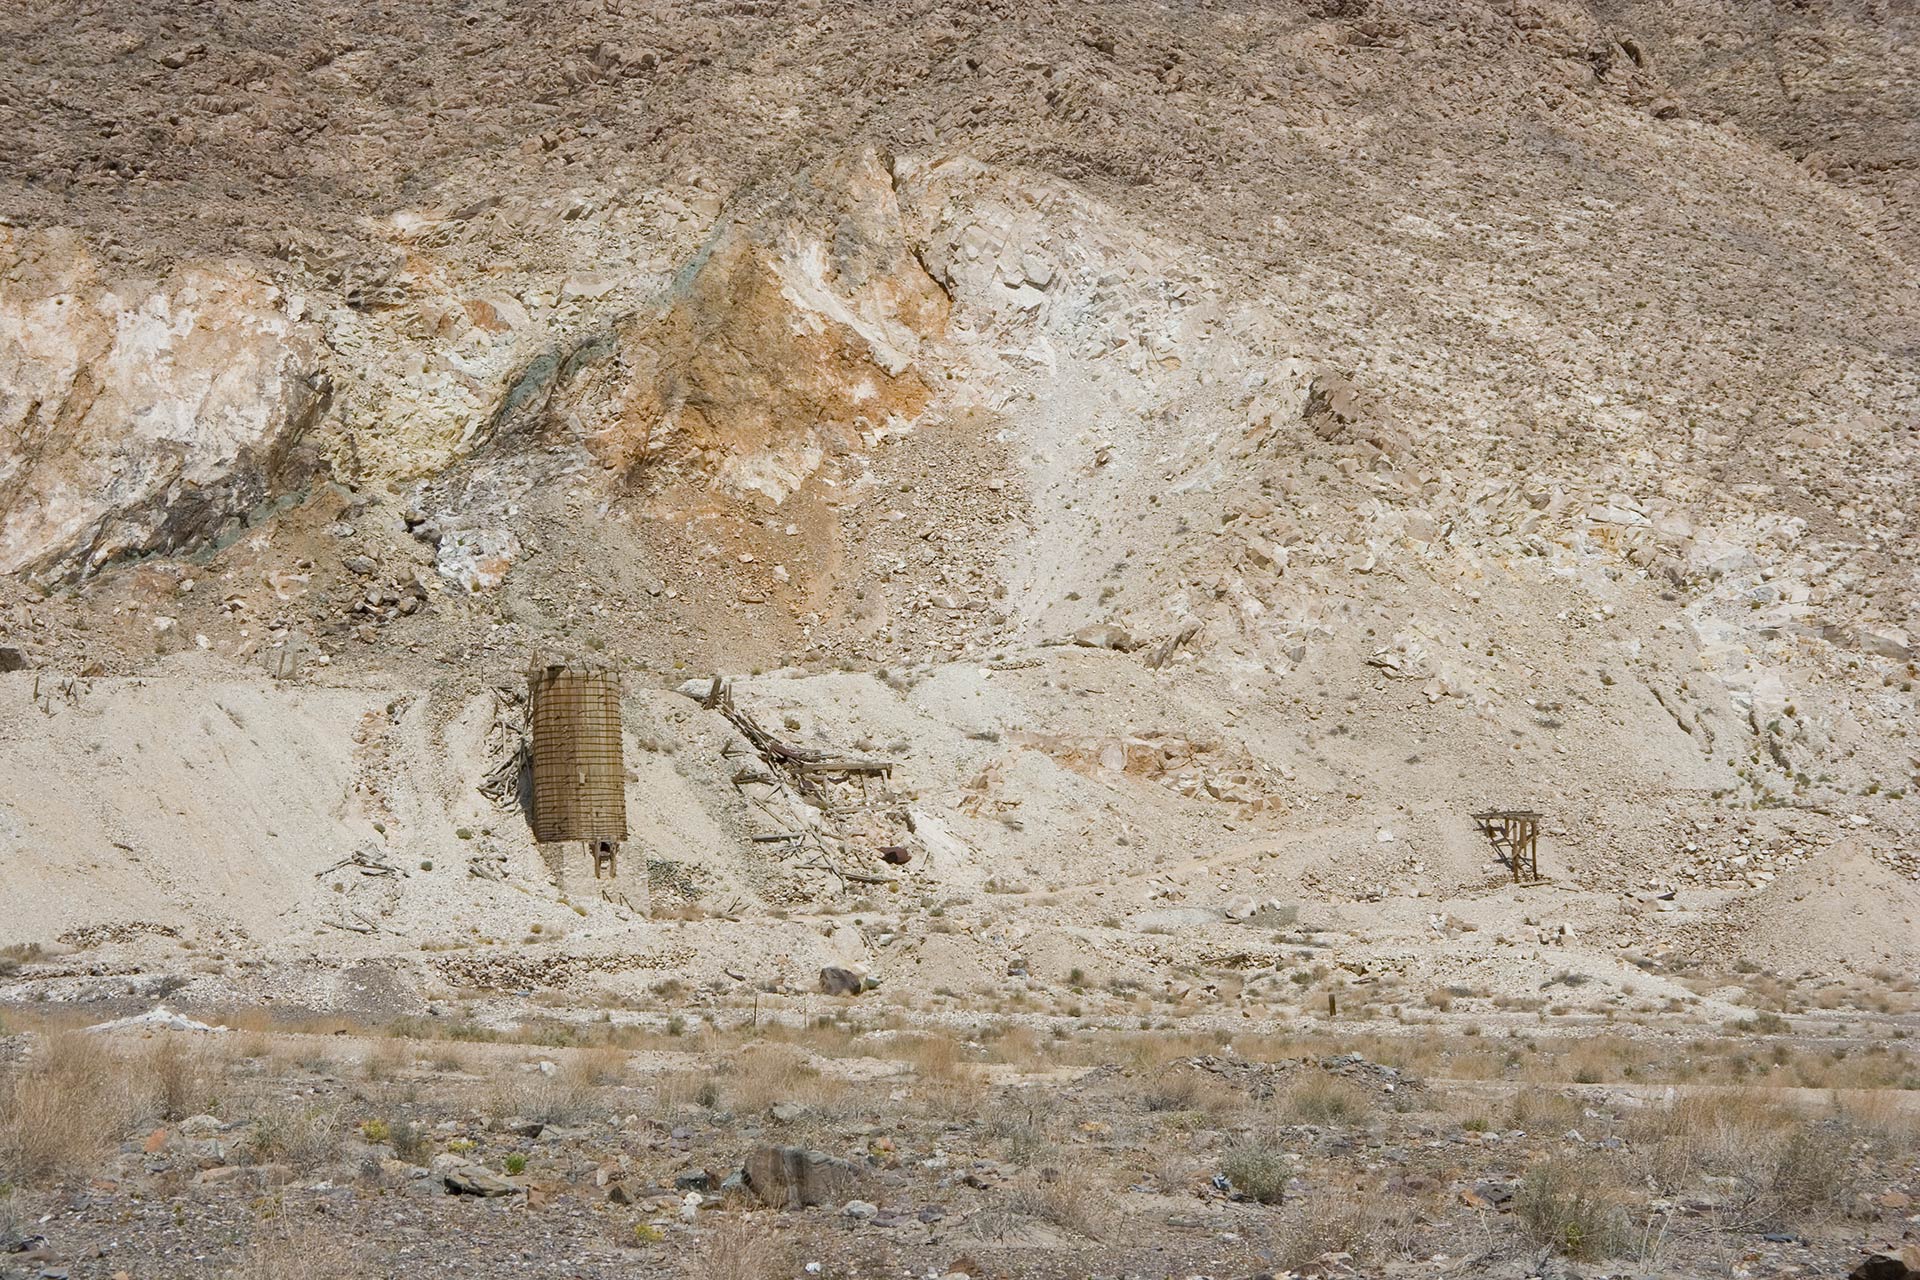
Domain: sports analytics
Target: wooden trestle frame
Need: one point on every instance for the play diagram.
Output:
(1516, 834)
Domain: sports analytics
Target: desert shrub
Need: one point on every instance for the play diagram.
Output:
(1069, 1199)
(1574, 1207)
(1258, 1169)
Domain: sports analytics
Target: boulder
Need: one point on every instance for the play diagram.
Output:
(465, 1178)
(836, 981)
(1886, 642)
(476, 559)
(1902, 1265)
(1105, 635)
(795, 1178)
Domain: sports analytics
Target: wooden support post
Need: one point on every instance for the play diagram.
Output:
(605, 853)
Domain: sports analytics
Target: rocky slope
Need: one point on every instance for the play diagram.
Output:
(1212, 450)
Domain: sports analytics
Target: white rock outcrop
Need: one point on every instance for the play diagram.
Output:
(138, 417)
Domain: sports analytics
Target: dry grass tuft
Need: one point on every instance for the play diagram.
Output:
(1070, 1199)
(742, 1248)
(281, 1249)
(1323, 1099)
(65, 1110)
(305, 1137)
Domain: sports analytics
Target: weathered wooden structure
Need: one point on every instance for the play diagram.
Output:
(1516, 835)
(847, 791)
(579, 768)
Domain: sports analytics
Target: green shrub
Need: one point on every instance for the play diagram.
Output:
(1259, 1170)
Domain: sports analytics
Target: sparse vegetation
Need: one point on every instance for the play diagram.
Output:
(1069, 1199)
(1576, 1207)
(62, 1113)
(1259, 1169)
(743, 1247)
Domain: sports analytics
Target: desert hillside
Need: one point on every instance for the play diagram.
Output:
(1190, 458)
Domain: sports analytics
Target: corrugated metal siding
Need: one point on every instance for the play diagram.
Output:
(579, 775)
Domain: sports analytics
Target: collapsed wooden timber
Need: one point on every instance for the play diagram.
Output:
(839, 787)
